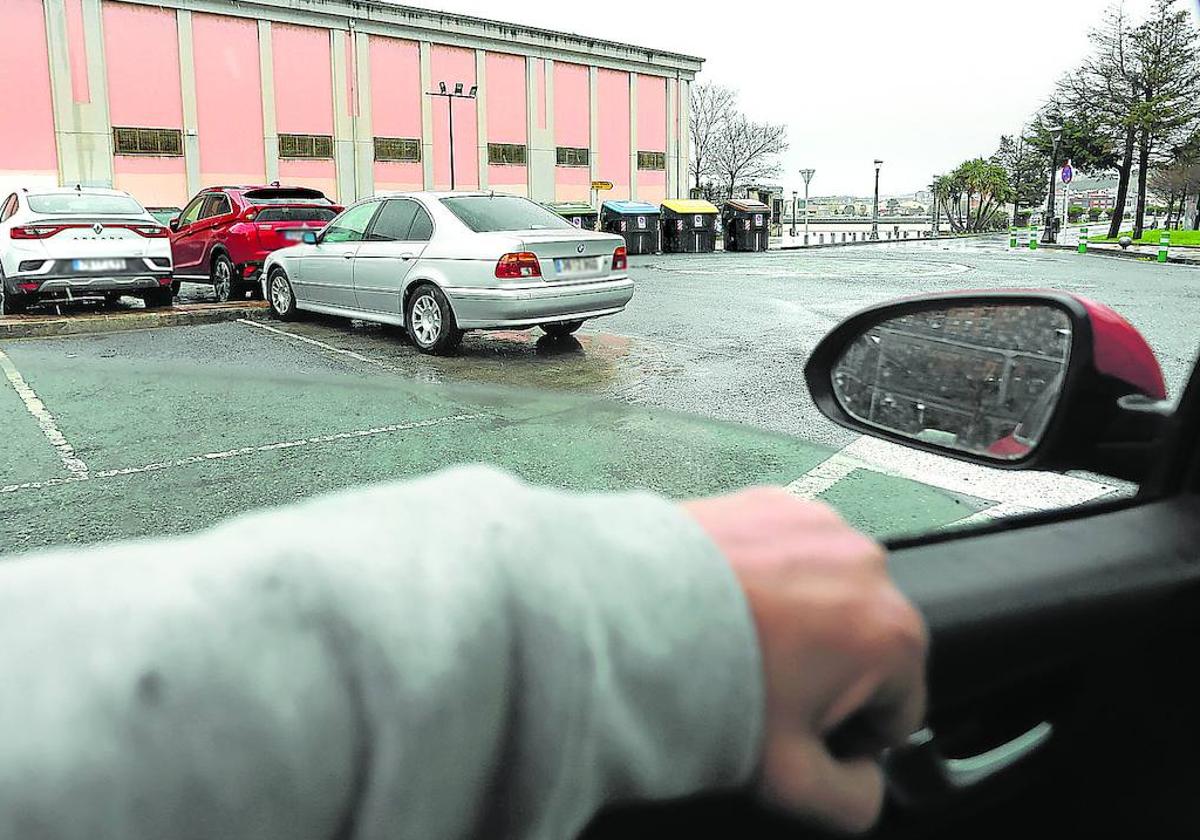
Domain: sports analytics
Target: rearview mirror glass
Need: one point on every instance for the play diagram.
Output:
(978, 379)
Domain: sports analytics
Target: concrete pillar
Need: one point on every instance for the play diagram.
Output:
(364, 131)
(343, 122)
(266, 72)
(481, 116)
(685, 137)
(594, 125)
(672, 139)
(426, 116)
(633, 137)
(540, 154)
(187, 84)
(83, 133)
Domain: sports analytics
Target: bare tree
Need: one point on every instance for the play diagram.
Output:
(748, 151)
(713, 108)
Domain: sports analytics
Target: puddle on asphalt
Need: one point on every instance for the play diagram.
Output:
(589, 361)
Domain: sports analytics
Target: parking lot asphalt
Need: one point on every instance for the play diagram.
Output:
(697, 388)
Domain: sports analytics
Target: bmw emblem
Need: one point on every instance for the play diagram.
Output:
(579, 249)
(97, 228)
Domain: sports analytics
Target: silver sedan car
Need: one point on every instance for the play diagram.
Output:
(442, 263)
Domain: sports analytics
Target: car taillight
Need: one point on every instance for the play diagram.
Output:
(34, 231)
(620, 259)
(516, 266)
(149, 231)
(28, 287)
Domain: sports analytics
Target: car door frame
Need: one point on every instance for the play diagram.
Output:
(209, 225)
(325, 278)
(381, 268)
(185, 235)
(1027, 617)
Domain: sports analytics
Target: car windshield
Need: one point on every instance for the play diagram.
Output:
(84, 204)
(495, 213)
(286, 196)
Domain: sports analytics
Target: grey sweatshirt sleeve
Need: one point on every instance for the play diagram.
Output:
(457, 656)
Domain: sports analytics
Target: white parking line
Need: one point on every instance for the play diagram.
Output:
(159, 466)
(1012, 492)
(315, 343)
(45, 420)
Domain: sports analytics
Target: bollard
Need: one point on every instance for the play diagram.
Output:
(1083, 240)
(822, 238)
(843, 236)
(1012, 237)
(1033, 237)
(1164, 243)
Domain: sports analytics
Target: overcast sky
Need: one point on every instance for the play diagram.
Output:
(922, 85)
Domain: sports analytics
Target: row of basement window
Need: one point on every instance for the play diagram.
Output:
(168, 142)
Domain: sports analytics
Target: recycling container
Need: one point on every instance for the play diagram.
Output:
(577, 213)
(689, 226)
(747, 225)
(636, 221)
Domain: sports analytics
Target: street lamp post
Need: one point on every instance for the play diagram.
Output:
(875, 210)
(807, 175)
(457, 93)
(795, 197)
(1048, 236)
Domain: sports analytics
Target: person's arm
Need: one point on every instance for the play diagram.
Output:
(458, 656)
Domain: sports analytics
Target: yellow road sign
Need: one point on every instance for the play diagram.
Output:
(602, 185)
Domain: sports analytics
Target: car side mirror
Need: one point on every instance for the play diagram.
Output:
(1012, 380)
(308, 238)
(174, 225)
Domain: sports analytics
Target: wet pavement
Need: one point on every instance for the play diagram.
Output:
(168, 430)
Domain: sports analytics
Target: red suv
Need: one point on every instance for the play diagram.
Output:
(225, 233)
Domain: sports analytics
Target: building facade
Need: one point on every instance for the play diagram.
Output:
(164, 97)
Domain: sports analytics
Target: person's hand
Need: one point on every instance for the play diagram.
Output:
(842, 650)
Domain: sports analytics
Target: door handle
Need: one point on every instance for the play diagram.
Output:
(347, 255)
(406, 257)
(919, 776)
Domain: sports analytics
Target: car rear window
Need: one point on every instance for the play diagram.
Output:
(295, 214)
(286, 195)
(82, 204)
(487, 213)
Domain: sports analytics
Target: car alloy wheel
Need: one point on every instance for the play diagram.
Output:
(281, 293)
(426, 320)
(223, 279)
(280, 296)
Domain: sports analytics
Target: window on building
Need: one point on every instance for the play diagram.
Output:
(398, 149)
(306, 146)
(570, 156)
(159, 142)
(506, 154)
(653, 161)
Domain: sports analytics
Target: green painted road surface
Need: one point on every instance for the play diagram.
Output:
(170, 451)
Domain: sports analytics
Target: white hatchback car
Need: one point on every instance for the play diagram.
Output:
(442, 263)
(68, 244)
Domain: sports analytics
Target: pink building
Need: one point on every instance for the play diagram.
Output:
(164, 97)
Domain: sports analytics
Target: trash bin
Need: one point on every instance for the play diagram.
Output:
(689, 226)
(577, 213)
(637, 221)
(747, 224)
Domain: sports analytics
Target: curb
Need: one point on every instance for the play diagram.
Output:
(190, 314)
(1120, 255)
(860, 243)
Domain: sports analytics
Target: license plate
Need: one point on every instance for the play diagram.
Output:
(98, 265)
(293, 235)
(576, 266)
